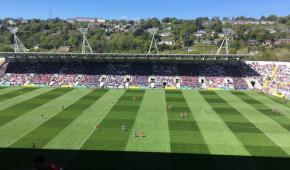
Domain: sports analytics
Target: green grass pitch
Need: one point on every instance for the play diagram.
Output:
(222, 129)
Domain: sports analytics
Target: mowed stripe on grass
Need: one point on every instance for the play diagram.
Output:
(6, 89)
(279, 100)
(152, 120)
(185, 135)
(83, 125)
(217, 135)
(21, 108)
(111, 137)
(272, 102)
(17, 99)
(265, 109)
(15, 93)
(15, 129)
(49, 129)
(275, 132)
(2, 87)
(253, 139)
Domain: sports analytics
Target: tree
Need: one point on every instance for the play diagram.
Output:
(99, 50)
(156, 22)
(227, 25)
(199, 22)
(166, 20)
(226, 18)
(272, 18)
(263, 18)
(6, 49)
(232, 51)
(261, 37)
(282, 20)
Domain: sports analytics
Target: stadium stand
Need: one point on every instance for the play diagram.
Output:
(265, 76)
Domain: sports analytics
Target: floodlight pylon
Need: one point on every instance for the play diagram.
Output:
(85, 40)
(17, 46)
(153, 32)
(226, 31)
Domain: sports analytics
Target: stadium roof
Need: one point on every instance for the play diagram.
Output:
(120, 55)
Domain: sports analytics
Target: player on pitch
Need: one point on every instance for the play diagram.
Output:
(185, 114)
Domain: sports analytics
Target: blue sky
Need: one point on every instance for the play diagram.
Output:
(133, 9)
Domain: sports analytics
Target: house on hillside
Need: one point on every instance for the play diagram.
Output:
(81, 19)
(235, 22)
(252, 52)
(64, 49)
(263, 22)
(101, 21)
(200, 33)
(165, 34)
(37, 46)
(221, 35)
(70, 20)
(206, 22)
(190, 49)
(11, 22)
(268, 22)
(212, 32)
(208, 42)
(272, 22)
(109, 31)
(287, 30)
(167, 28)
(247, 32)
(167, 42)
(271, 31)
(279, 41)
(252, 43)
(267, 43)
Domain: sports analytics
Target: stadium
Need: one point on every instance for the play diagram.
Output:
(153, 85)
(152, 111)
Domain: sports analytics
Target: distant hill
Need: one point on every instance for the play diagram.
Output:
(267, 37)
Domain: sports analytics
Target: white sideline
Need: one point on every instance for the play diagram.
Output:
(31, 130)
(222, 122)
(91, 133)
(262, 131)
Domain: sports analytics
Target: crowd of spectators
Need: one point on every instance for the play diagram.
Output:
(264, 72)
(214, 76)
(119, 73)
(236, 76)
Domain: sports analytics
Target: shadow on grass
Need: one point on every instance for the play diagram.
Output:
(88, 159)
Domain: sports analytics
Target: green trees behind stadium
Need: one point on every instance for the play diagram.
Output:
(51, 34)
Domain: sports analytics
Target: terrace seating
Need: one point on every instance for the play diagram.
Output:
(190, 75)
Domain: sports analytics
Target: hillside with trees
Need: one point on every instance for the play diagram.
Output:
(267, 37)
